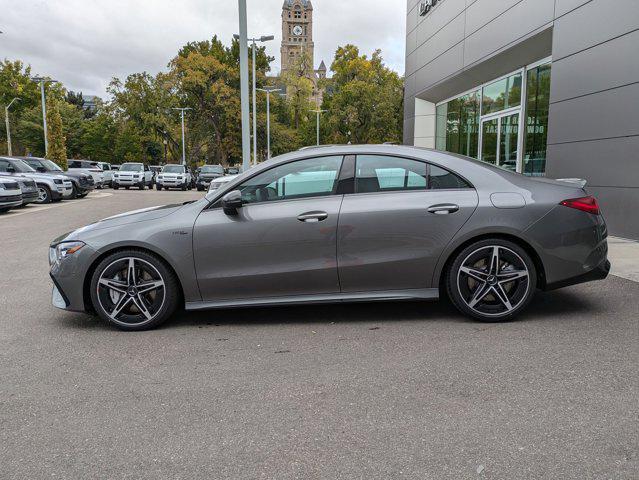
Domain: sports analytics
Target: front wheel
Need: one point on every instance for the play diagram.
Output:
(158, 186)
(44, 194)
(491, 280)
(134, 290)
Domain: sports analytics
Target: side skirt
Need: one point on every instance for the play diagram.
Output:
(381, 296)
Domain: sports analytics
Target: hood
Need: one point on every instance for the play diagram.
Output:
(134, 216)
(210, 175)
(43, 176)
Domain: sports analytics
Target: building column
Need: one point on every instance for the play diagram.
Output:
(424, 124)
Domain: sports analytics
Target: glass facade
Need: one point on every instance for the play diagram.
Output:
(485, 123)
(537, 105)
(458, 125)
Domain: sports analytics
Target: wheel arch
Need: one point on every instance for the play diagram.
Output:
(518, 240)
(86, 284)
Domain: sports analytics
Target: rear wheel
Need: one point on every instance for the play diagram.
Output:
(491, 280)
(134, 290)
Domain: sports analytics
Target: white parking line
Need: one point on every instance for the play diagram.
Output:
(39, 208)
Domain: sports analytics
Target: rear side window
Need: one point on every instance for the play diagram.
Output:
(380, 173)
(75, 164)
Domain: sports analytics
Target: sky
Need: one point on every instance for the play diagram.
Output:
(84, 43)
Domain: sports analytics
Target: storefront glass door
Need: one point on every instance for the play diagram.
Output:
(500, 140)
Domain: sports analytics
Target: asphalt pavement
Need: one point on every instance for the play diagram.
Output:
(360, 391)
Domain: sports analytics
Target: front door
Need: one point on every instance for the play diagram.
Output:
(282, 240)
(500, 140)
(393, 229)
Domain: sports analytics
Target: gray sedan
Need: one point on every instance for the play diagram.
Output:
(335, 224)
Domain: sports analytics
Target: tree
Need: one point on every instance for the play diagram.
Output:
(57, 147)
(364, 99)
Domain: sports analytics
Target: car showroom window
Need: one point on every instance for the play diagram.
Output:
(380, 173)
(441, 179)
(312, 177)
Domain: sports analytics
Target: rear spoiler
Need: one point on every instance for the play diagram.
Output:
(575, 181)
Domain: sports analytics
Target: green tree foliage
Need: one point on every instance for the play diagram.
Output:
(364, 99)
(57, 146)
(138, 122)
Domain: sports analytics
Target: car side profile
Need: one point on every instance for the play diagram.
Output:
(82, 183)
(337, 224)
(51, 187)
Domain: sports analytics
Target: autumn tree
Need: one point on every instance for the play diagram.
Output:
(57, 146)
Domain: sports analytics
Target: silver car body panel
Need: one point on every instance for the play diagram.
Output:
(371, 246)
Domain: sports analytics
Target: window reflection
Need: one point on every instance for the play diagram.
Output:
(537, 106)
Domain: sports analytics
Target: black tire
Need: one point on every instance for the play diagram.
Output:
(500, 300)
(44, 194)
(126, 188)
(199, 189)
(184, 188)
(158, 187)
(142, 186)
(5, 209)
(131, 321)
(82, 195)
(115, 186)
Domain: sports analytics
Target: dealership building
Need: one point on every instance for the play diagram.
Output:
(542, 87)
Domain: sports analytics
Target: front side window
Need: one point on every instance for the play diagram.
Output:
(313, 177)
(379, 173)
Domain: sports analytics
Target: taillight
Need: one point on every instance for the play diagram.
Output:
(585, 204)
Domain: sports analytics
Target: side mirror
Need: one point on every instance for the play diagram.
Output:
(231, 202)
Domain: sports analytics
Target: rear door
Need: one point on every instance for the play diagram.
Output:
(395, 226)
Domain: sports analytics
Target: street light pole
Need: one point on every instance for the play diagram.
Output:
(262, 39)
(268, 118)
(182, 110)
(246, 133)
(318, 111)
(42, 81)
(6, 119)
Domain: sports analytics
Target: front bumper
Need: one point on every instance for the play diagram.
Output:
(30, 197)
(10, 201)
(170, 183)
(68, 277)
(128, 182)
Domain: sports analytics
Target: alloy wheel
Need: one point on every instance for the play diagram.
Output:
(493, 280)
(131, 291)
(43, 195)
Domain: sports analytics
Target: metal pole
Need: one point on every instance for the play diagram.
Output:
(246, 134)
(254, 111)
(44, 118)
(183, 143)
(6, 119)
(318, 112)
(268, 125)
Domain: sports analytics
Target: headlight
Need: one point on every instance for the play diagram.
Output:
(57, 181)
(63, 250)
(2, 186)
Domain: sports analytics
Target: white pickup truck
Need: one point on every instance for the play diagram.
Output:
(90, 168)
(132, 174)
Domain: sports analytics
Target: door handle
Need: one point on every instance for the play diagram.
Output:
(312, 217)
(443, 208)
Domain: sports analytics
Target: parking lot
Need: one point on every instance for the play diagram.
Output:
(397, 390)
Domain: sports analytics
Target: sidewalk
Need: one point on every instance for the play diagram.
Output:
(624, 257)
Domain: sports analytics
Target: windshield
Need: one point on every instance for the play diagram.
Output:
(49, 165)
(131, 167)
(20, 166)
(173, 169)
(212, 169)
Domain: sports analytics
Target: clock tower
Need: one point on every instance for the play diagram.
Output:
(297, 31)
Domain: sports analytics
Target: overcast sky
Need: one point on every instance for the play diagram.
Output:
(84, 43)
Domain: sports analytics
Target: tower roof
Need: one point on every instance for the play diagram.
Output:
(305, 3)
(322, 66)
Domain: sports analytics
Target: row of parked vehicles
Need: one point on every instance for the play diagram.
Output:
(27, 180)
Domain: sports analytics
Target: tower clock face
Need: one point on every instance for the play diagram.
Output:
(297, 30)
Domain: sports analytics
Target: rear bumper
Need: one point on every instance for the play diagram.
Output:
(600, 272)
